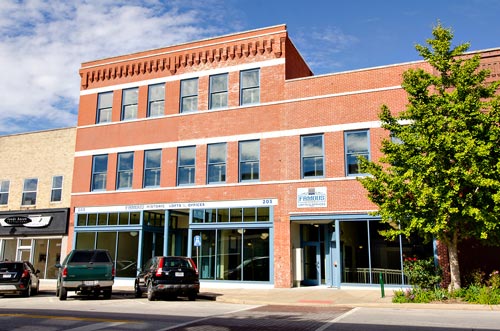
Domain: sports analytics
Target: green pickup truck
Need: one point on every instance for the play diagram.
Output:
(87, 272)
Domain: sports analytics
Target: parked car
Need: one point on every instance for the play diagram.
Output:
(18, 277)
(170, 275)
(87, 272)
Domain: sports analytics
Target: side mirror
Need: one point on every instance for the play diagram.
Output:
(37, 271)
(58, 265)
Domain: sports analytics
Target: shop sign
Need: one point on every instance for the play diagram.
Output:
(180, 205)
(30, 221)
(311, 197)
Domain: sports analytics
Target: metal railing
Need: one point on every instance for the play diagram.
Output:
(362, 275)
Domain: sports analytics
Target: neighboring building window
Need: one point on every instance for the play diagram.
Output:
(218, 91)
(189, 95)
(56, 193)
(156, 100)
(186, 160)
(29, 191)
(356, 145)
(216, 163)
(99, 172)
(4, 192)
(129, 103)
(249, 87)
(312, 156)
(125, 170)
(152, 168)
(249, 160)
(104, 107)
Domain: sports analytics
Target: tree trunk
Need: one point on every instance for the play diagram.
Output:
(454, 266)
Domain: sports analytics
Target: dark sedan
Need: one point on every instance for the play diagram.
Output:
(170, 275)
(18, 277)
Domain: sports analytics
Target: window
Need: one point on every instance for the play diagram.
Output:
(189, 95)
(218, 91)
(152, 168)
(125, 170)
(129, 103)
(29, 191)
(104, 107)
(216, 163)
(56, 193)
(186, 160)
(356, 144)
(312, 156)
(249, 160)
(156, 100)
(250, 87)
(99, 172)
(4, 192)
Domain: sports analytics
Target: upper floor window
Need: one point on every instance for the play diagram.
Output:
(356, 145)
(312, 156)
(104, 107)
(129, 103)
(186, 161)
(249, 160)
(152, 168)
(4, 191)
(218, 91)
(156, 100)
(189, 95)
(125, 170)
(56, 193)
(99, 172)
(249, 87)
(216, 163)
(29, 191)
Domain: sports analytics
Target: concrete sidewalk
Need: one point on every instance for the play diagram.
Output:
(301, 296)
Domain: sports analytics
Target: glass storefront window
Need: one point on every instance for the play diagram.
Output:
(228, 254)
(204, 256)
(126, 257)
(107, 240)
(82, 220)
(233, 215)
(85, 240)
(354, 252)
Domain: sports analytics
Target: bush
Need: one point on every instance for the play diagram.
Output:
(422, 273)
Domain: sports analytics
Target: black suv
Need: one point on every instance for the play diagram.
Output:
(171, 275)
(18, 277)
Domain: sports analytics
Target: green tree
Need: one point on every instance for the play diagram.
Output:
(439, 175)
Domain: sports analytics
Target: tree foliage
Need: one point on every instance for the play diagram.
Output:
(439, 175)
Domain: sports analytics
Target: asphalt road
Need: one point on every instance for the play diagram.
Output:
(47, 313)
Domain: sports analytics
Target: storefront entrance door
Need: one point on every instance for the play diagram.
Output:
(312, 264)
(23, 254)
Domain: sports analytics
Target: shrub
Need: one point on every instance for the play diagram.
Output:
(422, 273)
(494, 280)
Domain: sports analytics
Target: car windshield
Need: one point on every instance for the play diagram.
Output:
(11, 266)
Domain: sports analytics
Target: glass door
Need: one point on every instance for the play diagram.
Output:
(312, 265)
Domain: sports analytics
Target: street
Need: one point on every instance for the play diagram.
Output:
(45, 312)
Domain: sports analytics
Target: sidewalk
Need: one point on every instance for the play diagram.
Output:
(303, 296)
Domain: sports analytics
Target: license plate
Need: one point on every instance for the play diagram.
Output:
(179, 274)
(89, 282)
(6, 276)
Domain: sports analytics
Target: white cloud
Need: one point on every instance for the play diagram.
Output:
(43, 43)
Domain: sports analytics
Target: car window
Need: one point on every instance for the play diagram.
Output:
(100, 256)
(11, 267)
(176, 263)
(82, 256)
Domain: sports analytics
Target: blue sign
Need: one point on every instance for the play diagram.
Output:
(197, 241)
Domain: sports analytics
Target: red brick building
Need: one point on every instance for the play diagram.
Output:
(231, 151)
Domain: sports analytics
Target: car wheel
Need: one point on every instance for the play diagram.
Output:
(151, 293)
(63, 293)
(107, 293)
(27, 291)
(35, 290)
(137, 291)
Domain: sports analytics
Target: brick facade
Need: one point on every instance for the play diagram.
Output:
(293, 103)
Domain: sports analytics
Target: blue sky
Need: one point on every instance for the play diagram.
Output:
(44, 42)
